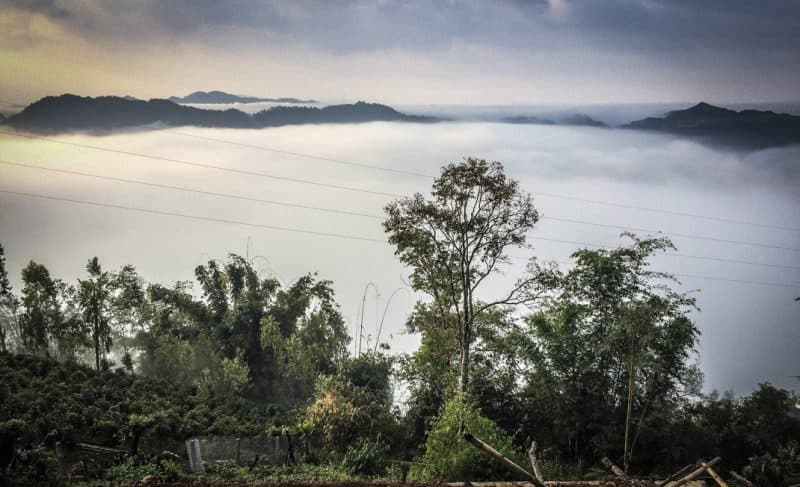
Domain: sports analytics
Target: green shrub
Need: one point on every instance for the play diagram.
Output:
(366, 458)
(449, 457)
(130, 473)
(41, 468)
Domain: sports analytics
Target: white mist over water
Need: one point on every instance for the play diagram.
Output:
(750, 332)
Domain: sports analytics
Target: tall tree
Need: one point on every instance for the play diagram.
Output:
(94, 300)
(8, 302)
(42, 317)
(457, 239)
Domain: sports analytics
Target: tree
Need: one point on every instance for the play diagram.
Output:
(617, 334)
(8, 302)
(42, 317)
(94, 300)
(456, 240)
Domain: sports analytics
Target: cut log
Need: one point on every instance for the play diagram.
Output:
(714, 475)
(742, 479)
(491, 452)
(696, 473)
(535, 462)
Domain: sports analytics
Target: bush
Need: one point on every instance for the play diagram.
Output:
(449, 457)
(40, 468)
(366, 458)
(130, 473)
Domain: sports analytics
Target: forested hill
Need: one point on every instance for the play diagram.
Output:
(70, 112)
(746, 128)
(215, 97)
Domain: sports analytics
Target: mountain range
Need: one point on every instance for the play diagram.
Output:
(572, 119)
(219, 97)
(745, 129)
(751, 129)
(105, 113)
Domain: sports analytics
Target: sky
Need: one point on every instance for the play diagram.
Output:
(408, 52)
(629, 58)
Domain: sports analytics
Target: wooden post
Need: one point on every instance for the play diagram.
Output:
(489, 451)
(238, 450)
(714, 474)
(741, 478)
(697, 472)
(535, 462)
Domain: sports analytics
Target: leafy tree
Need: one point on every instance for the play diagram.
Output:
(94, 298)
(42, 317)
(617, 334)
(8, 302)
(128, 309)
(456, 240)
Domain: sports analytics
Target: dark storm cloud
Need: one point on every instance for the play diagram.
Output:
(355, 25)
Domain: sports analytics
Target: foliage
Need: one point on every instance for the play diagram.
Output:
(131, 472)
(612, 348)
(449, 457)
(354, 408)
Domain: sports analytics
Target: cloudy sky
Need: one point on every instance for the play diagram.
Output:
(414, 51)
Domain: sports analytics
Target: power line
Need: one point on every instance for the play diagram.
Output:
(193, 217)
(383, 168)
(537, 193)
(353, 213)
(307, 156)
(666, 212)
(190, 190)
(674, 234)
(203, 165)
(671, 254)
(724, 279)
(297, 230)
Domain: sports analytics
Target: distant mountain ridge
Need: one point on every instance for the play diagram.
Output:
(746, 128)
(569, 119)
(71, 112)
(220, 97)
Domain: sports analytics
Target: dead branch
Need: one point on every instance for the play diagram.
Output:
(675, 475)
(489, 451)
(714, 474)
(741, 478)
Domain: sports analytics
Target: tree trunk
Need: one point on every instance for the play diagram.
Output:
(629, 411)
(96, 347)
(463, 380)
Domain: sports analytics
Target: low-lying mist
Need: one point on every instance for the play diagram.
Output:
(750, 331)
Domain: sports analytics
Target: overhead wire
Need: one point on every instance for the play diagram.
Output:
(289, 229)
(359, 214)
(394, 170)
